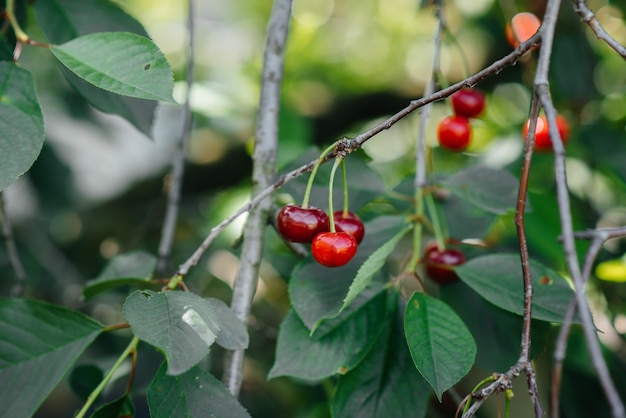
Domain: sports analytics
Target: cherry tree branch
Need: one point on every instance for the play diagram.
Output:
(349, 145)
(178, 162)
(19, 286)
(264, 172)
(585, 13)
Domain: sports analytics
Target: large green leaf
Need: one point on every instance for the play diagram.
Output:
(134, 268)
(120, 62)
(64, 20)
(39, 342)
(21, 123)
(498, 279)
(193, 394)
(183, 325)
(441, 346)
(318, 292)
(492, 190)
(301, 355)
(386, 383)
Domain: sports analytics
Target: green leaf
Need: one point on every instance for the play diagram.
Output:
(21, 123)
(64, 20)
(39, 342)
(119, 62)
(119, 408)
(441, 346)
(194, 393)
(183, 325)
(135, 268)
(386, 383)
(494, 191)
(498, 279)
(313, 358)
(318, 292)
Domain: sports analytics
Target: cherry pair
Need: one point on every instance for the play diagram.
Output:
(312, 225)
(455, 132)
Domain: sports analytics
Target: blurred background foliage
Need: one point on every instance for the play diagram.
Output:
(97, 190)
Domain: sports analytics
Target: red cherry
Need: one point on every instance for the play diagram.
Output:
(542, 132)
(298, 224)
(333, 249)
(468, 102)
(521, 28)
(454, 133)
(350, 224)
(439, 263)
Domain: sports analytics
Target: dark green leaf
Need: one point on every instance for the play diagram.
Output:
(64, 20)
(84, 379)
(441, 346)
(134, 268)
(494, 191)
(338, 351)
(386, 383)
(38, 344)
(119, 408)
(21, 123)
(120, 62)
(183, 325)
(193, 394)
(498, 279)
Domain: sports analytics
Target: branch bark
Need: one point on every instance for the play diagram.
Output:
(264, 172)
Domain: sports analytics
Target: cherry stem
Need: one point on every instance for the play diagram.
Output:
(345, 189)
(436, 222)
(10, 13)
(331, 182)
(309, 185)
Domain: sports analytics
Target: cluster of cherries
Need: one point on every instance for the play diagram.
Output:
(331, 247)
(455, 132)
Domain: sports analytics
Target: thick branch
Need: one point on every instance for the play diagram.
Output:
(585, 13)
(264, 172)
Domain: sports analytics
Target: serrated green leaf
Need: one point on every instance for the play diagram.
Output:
(120, 62)
(119, 408)
(193, 394)
(21, 123)
(39, 342)
(313, 358)
(63, 20)
(441, 346)
(494, 191)
(498, 279)
(135, 268)
(183, 325)
(386, 383)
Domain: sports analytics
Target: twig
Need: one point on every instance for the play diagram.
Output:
(585, 13)
(178, 162)
(264, 171)
(350, 145)
(543, 92)
(19, 286)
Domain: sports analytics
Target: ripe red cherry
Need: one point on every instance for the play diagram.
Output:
(521, 28)
(350, 224)
(333, 249)
(454, 133)
(439, 264)
(298, 224)
(468, 102)
(542, 132)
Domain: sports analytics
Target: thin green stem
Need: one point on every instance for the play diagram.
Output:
(309, 186)
(10, 13)
(344, 176)
(175, 282)
(330, 193)
(132, 346)
(483, 382)
(436, 222)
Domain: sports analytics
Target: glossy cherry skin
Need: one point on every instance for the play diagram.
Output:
(454, 133)
(439, 264)
(298, 224)
(350, 223)
(333, 249)
(521, 28)
(542, 132)
(468, 102)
